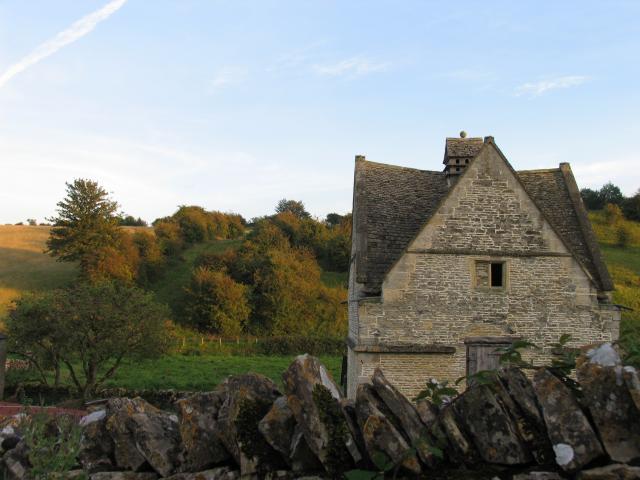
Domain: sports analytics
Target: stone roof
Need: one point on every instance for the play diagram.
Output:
(392, 203)
(462, 147)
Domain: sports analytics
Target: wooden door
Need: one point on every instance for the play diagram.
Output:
(482, 354)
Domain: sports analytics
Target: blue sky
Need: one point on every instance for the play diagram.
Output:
(235, 104)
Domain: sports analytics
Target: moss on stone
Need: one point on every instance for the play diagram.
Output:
(251, 441)
(338, 459)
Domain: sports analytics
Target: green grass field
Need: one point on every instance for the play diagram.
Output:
(624, 267)
(205, 372)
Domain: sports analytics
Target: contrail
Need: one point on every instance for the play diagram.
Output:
(76, 31)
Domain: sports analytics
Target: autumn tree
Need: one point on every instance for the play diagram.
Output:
(215, 303)
(86, 223)
(294, 206)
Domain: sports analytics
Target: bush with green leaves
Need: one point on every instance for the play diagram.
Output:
(53, 444)
(216, 303)
(89, 329)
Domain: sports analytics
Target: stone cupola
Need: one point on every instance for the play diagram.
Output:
(458, 152)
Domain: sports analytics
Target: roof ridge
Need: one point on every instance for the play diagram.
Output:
(539, 170)
(440, 172)
(588, 234)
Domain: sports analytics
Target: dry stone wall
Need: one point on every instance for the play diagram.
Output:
(509, 428)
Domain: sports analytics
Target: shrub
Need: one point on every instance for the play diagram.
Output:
(54, 444)
(169, 235)
(90, 329)
(623, 235)
(215, 303)
(298, 344)
(151, 259)
(612, 213)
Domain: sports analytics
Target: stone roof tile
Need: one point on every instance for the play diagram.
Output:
(394, 202)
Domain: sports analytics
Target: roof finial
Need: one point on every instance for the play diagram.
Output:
(463, 134)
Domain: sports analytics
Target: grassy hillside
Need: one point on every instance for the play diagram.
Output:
(24, 265)
(624, 266)
(170, 288)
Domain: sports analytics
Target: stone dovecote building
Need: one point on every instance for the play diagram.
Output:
(446, 266)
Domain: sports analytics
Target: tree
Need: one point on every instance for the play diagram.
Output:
(631, 207)
(609, 193)
(131, 221)
(92, 328)
(293, 206)
(33, 334)
(86, 223)
(333, 219)
(216, 303)
(32, 222)
(591, 199)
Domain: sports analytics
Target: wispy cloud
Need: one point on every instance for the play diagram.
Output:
(227, 76)
(536, 89)
(76, 31)
(355, 66)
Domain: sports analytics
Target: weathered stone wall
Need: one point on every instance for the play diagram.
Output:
(515, 427)
(432, 295)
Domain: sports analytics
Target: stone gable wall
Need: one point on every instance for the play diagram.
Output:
(431, 296)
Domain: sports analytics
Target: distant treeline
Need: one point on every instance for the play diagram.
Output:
(610, 194)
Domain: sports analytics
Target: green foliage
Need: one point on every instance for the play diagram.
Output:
(612, 213)
(292, 206)
(623, 235)
(331, 416)
(598, 199)
(481, 377)
(512, 355)
(86, 224)
(333, 219)
(216, 303)
(33, 333)
(287, 293)
(131, 221)
(631, 207)
(437, 393)
(53, 442)
(298, 344)
(564, 361)
(90, 329)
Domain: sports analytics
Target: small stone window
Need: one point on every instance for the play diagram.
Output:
(457, 169)
(491, 274)
(466, 161)
(497, 274)
(457, 160)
